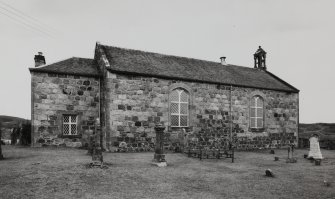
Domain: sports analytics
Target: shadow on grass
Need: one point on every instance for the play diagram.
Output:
(5, 158)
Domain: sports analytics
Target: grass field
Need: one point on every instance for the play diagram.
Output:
(63, 173)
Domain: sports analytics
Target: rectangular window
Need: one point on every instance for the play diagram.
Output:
(70, 125)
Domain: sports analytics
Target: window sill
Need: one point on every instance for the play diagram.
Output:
(69, 136)
(176, 128)
(257, 130)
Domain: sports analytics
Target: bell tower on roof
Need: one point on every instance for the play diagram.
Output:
(260, 58)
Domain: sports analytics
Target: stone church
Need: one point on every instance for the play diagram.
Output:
(130, 91)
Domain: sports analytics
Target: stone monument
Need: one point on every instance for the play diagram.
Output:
(97, 158)
(159, 157)
(290, 158)
(314, 148)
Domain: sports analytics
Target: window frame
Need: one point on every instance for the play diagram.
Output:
(70, 123)
(257, 128)
(179, 90)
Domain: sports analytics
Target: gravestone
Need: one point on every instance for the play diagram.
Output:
(90, 145)
(290, 158)
(314, 148)
(159, 157)
(269, 173)
(97, 158)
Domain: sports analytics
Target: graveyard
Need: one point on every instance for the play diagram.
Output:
(65, 173)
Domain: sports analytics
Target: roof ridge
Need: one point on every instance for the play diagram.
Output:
(176, 56)
(133, 61)
(143, 51)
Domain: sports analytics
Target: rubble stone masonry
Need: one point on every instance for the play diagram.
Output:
(54, 95)
(133, 105)
(136, 103)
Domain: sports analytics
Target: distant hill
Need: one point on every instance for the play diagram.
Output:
(324, 130)
(10, 122)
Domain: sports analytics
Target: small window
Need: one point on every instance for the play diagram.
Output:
(179, 112)
(256, 113)
(70, 125)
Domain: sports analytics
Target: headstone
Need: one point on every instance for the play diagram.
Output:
(269, 173)
(97, 155)
(97, 158)
(317, 162)
(159, 156)
(290, 158)
(90, 145)
(314, 149)
(326, 183)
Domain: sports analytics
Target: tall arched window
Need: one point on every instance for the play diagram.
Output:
(257, 113)
(179, 113)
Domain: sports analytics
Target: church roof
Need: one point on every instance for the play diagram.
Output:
(143, 63)
(72, 66)
(166, 66)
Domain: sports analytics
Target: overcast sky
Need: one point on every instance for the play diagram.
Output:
(298, 35)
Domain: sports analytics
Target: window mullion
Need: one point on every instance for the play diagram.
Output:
(179, 117)
(70, 130)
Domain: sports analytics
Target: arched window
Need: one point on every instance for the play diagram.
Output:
(257, 113)
(179, 113)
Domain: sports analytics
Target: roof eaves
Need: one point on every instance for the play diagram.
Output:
(65, 73)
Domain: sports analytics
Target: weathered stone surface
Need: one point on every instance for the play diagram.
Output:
(209, 109)
(135, 104)
(55, 95)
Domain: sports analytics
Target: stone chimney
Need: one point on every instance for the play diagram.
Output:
(223, 61)
(39, 59)
(260, 58)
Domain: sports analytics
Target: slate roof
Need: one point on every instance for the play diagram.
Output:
(72, 66)
(167, 66)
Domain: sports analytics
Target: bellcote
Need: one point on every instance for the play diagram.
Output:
(260, 58)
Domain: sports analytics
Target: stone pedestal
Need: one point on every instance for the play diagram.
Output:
(159, 156)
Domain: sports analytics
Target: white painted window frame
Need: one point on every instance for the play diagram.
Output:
(179, 102)
(256, 113)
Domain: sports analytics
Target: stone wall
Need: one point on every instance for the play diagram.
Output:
(136, 103)
(54, 95)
